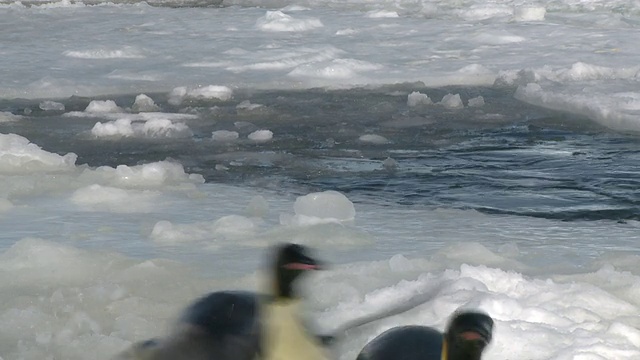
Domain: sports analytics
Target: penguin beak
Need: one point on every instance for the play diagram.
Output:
(472, 335)
(304, 263)
(301, 266)
(472, 341)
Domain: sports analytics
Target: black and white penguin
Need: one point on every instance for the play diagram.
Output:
(243, 325)
(467, 335)
(285, 335)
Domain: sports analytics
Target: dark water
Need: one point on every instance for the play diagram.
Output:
(505, 157)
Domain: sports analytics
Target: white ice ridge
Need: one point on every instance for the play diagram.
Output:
(20, 156)
(211, 92)
(334, 69)
(617, 111)
(6, 116)
(123, 53)
(28, 170)
(577, 72)
(273, 59)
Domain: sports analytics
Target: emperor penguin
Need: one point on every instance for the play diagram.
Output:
(465, 338)
(244, 325)
(285, 335)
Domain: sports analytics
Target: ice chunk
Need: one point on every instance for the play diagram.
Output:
(452, 101)
(261, 135)
(144, 103)
(382, 14)
(215, 92)
(529, 13)
(325, 205)
(18, 155)
(373, 139)
(476, 101)
(120, 127)
(280, 22)
(49, 105)
(211, 92)
(6, 116)
(224, 135)
(416, 98)
(106, 106)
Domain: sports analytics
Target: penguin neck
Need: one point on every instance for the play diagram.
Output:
(283, 289)
(451, 351)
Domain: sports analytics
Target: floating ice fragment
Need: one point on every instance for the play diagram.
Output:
(211, 92)
(18, 155)
(416, 98)
(261, 135)
(144, 103)
(124, 53)
(106, 106)
(224, 135)
(373, 139)
(348, 31)
(452, 101)
(476, 101)
(325, 205)
(382, 14)
(120, 127)
(165, 128)
(179, 94)
(151, 128)
(247, 105)
(49, 105)
(6, 116)
(529, 13)
(389, 164)
(278, 21)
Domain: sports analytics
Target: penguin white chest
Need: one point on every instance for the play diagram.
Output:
(285, 337)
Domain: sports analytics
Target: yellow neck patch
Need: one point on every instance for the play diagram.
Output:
(444, 355)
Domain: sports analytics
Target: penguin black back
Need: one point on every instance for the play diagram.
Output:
(224, 313)
(410, 342)
(467, 335)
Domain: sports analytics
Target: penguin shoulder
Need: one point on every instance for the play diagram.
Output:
(411, 342)
(223, 313)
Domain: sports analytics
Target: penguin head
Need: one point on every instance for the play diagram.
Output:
(468, 334)
(291, 262)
